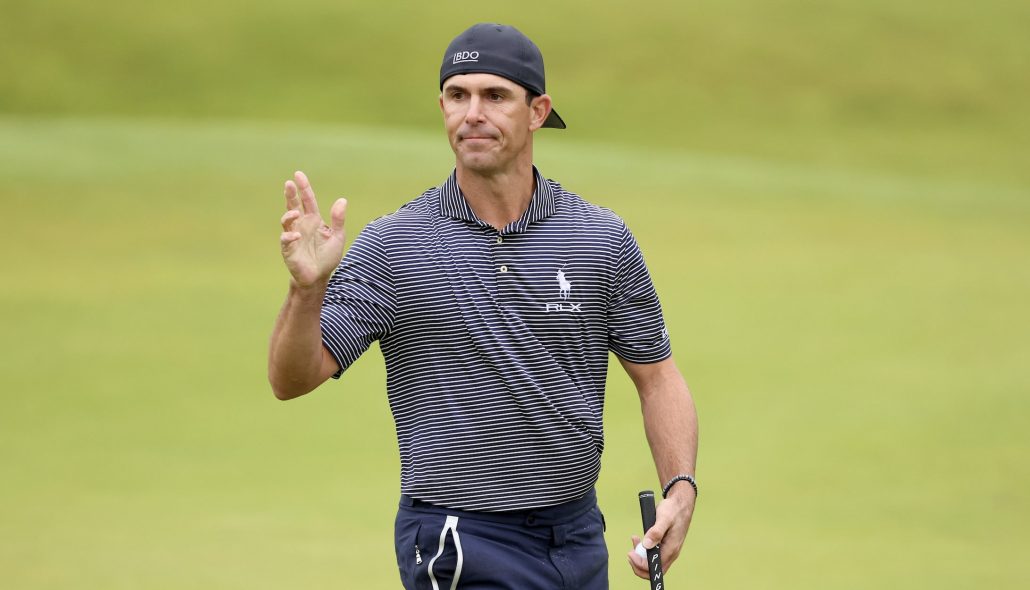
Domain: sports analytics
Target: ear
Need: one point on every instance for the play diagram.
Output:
(539, 109)
(441, 102)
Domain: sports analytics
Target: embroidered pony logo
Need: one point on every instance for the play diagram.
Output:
(564, 290)
(564, 285)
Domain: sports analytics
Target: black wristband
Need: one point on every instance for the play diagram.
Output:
(684, 477)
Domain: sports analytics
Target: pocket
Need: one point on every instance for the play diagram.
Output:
(409, 554)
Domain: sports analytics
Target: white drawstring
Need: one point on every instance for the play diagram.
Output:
(450, 525)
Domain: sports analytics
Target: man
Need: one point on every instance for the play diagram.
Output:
(496, 298)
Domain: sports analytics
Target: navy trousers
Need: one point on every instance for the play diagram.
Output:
(556, 548)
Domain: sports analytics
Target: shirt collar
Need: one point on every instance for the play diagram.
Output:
(454, 205)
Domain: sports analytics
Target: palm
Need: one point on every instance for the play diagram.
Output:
(310, 248)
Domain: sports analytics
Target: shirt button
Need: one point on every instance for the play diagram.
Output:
(499, 239)
(504, 268)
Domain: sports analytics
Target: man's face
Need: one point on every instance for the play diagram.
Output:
(488, 122)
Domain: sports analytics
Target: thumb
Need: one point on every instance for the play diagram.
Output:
(655, 534)
(338, 214)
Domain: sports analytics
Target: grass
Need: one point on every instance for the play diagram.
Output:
(833, 200)
(915, 86)
(855, 340)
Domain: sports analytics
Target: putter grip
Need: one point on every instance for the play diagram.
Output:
(654, 560)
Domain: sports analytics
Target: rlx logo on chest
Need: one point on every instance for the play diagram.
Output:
(576, 307)
(564, 290)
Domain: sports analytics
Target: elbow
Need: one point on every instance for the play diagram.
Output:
(282, 394)
(286, 390)
(289, 381)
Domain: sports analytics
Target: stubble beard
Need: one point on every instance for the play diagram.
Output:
(480, 161)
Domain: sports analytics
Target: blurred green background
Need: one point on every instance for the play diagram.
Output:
(833, 198)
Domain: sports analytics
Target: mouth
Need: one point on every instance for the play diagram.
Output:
(477, 135)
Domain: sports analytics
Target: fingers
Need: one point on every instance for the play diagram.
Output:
(669, 530)
(338, 214)
(655, 534)
(288, 219)
(292, 199)
(637, 563)
(303, 219)
(307, 195)
(288, 237)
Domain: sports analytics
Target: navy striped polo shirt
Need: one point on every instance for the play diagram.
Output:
(496, 342)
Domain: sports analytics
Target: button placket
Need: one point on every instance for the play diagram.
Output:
(502, 268)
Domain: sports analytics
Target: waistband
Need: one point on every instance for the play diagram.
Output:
(546, 516)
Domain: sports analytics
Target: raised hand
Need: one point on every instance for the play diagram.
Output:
(310, 248)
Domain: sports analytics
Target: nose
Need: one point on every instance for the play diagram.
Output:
(474, 114)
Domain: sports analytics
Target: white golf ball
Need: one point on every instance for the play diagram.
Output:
(640, 550)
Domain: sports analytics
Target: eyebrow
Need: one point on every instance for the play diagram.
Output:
(490, 89)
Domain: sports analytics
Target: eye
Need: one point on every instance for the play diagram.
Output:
(496, 97)
(457, 95)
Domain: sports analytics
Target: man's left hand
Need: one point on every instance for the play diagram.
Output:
(672, 520)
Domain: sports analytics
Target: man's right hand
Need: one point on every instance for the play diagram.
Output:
(310, 248)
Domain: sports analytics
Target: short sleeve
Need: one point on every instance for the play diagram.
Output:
(359, 303)
(636, 328)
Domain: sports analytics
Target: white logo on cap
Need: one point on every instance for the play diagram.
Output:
(465, 56)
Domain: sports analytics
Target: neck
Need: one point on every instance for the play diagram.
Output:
(498, 198)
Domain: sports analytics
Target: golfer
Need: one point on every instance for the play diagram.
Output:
(496, 298)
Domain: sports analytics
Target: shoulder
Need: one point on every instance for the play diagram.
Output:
(572, 208)
(410, 217)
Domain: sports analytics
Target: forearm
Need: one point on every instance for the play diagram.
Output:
(295, 354)
(670, 422)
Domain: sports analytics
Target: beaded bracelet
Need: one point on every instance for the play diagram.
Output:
(684, 477)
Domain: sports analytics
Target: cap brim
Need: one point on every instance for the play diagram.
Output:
(554, 121)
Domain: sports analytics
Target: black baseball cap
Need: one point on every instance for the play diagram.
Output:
(502, 50)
